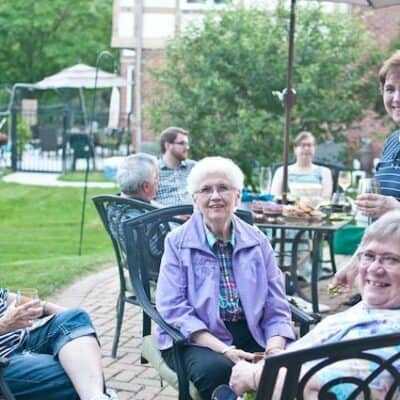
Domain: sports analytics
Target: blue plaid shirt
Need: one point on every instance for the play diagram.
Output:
(230, 307)
(172, 186)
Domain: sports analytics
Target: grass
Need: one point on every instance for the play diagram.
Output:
(39, 236)
(79, 176)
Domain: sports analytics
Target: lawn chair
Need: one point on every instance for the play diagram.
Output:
(144, 263)
(82, 147)
(114, 230)
(5, 392)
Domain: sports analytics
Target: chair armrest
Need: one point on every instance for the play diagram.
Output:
(305, 320)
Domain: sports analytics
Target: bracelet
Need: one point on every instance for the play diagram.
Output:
(229, 348)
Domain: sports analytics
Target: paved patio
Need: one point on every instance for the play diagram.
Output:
(97, 294)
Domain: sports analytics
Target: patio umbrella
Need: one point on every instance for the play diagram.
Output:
(81, 76)
(289, 95)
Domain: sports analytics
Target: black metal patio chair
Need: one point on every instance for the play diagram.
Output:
(112, 222)
(5, 392)
(82, 147)
(144, 260)
(325, 356)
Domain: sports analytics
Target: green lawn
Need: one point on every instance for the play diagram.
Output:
(79, 176)
(39, 237)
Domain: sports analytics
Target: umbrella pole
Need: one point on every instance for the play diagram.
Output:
(289, 99)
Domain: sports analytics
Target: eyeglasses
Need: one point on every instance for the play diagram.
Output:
(222, 190)
(182, 143)
(304, 145)
(387, 260)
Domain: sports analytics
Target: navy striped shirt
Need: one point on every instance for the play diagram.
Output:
(388, 168)
(11, 340)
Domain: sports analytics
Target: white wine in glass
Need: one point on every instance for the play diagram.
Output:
(265, 179)
(368, 185)
(344, 180)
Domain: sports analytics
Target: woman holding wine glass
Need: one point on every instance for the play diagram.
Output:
(388, 169)
(387, 174)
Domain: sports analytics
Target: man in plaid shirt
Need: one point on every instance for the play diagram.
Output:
(174, 167)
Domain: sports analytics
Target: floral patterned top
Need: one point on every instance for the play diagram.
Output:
(357, 322)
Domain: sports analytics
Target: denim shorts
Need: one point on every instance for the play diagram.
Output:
(34, 372)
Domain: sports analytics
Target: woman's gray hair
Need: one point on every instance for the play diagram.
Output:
(385, 227)
(134, 170)
(215, 165)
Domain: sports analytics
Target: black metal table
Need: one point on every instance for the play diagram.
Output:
(317, 229)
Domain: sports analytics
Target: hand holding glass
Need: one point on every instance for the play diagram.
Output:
(26, 294)
(368, 185)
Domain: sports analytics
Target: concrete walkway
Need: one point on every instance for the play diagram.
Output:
(50, 179)
(97, 294)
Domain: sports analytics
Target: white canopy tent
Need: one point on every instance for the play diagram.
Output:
(82, 76)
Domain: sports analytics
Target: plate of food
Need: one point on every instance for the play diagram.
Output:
(302, 212)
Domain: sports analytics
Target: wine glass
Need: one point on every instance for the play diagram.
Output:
(265, 179)
(368, 185)
(344, 180)
(26, 294)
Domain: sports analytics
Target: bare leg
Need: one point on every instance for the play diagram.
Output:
(81, 361)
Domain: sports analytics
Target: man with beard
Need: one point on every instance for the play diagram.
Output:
(174, 167)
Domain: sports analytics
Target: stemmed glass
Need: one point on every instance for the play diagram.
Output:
(265, 179)
(368, 185)
(344, 180)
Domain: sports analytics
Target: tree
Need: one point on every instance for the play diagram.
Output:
(218, 81)
(38, 38)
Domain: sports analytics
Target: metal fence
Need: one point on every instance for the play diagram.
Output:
(44, 140)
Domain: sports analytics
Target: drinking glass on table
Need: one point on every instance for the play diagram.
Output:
(344, 180)
(265, 179)
(368, 185)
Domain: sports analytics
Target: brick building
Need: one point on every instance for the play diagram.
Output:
(153, 22)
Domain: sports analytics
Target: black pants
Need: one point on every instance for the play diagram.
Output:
(208, 369)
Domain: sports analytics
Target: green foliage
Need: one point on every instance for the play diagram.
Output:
(38, 38)
(24, 134)
(39, 236)
(218, 81)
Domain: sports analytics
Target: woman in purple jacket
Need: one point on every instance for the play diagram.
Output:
(219, 284)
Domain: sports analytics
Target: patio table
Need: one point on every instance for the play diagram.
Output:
(317, 229)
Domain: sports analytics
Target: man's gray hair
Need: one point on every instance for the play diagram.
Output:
(384, 228)
(215, 165)
(134, 170)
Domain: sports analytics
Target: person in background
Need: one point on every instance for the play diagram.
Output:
(137, 177)
(378, 261)
(211, 268)
(59, 360)
(388, 169)
(303, 171)
(174, 167)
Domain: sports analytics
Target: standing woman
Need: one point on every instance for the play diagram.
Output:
(219, 284)
(388, 168)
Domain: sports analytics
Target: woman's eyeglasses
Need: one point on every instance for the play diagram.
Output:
(209, 190)
(387, 260)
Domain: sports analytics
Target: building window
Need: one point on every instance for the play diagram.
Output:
(205, 3)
